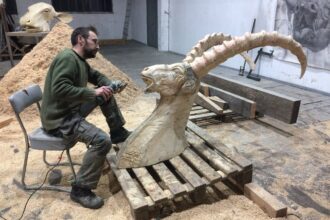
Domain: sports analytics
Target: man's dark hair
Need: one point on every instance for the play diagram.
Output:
(83, 31)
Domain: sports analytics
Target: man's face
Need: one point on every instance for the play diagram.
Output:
(91, 46)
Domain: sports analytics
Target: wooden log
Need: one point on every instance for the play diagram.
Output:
(206, 170)
(270, 103)
(150, 185)
(267, 202)
(217, 144)
(173, 184)
(204, 101)
(239, 104)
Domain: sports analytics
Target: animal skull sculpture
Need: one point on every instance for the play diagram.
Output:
(39, 15)
(162, 135)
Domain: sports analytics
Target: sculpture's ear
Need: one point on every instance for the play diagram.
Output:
(189, 86)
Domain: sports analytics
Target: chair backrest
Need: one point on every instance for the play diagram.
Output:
(25, 97)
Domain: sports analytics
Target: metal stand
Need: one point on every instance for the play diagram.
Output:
(256, 77)
(242, 68)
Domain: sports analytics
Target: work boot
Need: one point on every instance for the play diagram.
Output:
(86, 198)
(119, 135)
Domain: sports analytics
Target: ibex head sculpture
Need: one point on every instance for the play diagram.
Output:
(162, 135)
(39, 15)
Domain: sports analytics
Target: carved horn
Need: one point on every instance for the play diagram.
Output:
(209, 41)
(206, 43)
(220, 53)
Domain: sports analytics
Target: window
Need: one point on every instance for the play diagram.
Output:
(83, 5)
(11, 7)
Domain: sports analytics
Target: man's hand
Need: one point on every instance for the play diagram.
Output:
(104, 91)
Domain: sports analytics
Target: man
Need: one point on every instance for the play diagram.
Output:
(66, 103)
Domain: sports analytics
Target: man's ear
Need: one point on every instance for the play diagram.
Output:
(81, 40)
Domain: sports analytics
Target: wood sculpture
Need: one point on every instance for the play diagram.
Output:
(162, 135)
(38, 16)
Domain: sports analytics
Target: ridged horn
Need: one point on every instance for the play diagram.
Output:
(220, 53)
(209, 41)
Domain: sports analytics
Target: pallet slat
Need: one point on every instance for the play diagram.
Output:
(137, 201)
(234, 156)
(150, 185)
(173, 184)
(207, 171)
(202, 116)
(200, 111)
(187, 173)
(215, 159)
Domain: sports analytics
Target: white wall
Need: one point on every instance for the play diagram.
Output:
(109, 25)
(139, 21)
(191, 20)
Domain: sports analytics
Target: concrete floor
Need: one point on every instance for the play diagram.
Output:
(292, 166)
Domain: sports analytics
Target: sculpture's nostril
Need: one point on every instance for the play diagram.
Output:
(28, 21)
(145, 69)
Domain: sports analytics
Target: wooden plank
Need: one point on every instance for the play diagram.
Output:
(173, 184)
(217, 161)
(136, 199)
(150, 185)
(220, 102)
(202, 116)
(270, 103)
(187, 173)
(267, 202)
(200, 111)
(204, 168)
(204, 101)
(223, 149)
(239, 104)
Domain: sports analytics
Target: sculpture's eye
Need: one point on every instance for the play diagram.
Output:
(46, 10)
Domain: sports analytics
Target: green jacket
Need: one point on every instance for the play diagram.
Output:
(65, 87)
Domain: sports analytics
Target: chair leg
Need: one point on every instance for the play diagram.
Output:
(44, 157)
(39, 187)
(27, 151)
(71, 164)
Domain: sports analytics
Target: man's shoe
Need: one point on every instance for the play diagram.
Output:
(119, 135)
(86, 198)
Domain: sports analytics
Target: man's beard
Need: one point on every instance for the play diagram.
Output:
(89, 53)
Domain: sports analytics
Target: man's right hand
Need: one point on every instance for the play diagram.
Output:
(104, 91)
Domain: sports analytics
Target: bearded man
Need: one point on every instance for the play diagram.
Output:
(67, 101)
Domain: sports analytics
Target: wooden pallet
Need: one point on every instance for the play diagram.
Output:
(149, 190)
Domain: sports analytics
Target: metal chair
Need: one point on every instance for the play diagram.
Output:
(38, 139)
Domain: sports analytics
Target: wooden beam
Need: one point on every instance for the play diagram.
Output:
(204, 89)
(204, 101)
(237, 103)
(279, 106)
(267, 202)
(220, 102)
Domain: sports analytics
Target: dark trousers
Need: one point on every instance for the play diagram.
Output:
(76, 128)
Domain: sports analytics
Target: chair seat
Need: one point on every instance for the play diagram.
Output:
(41, 140)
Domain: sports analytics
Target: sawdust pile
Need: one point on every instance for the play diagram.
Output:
(34, 66)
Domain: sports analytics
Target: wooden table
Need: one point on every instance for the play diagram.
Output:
(37, 35)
